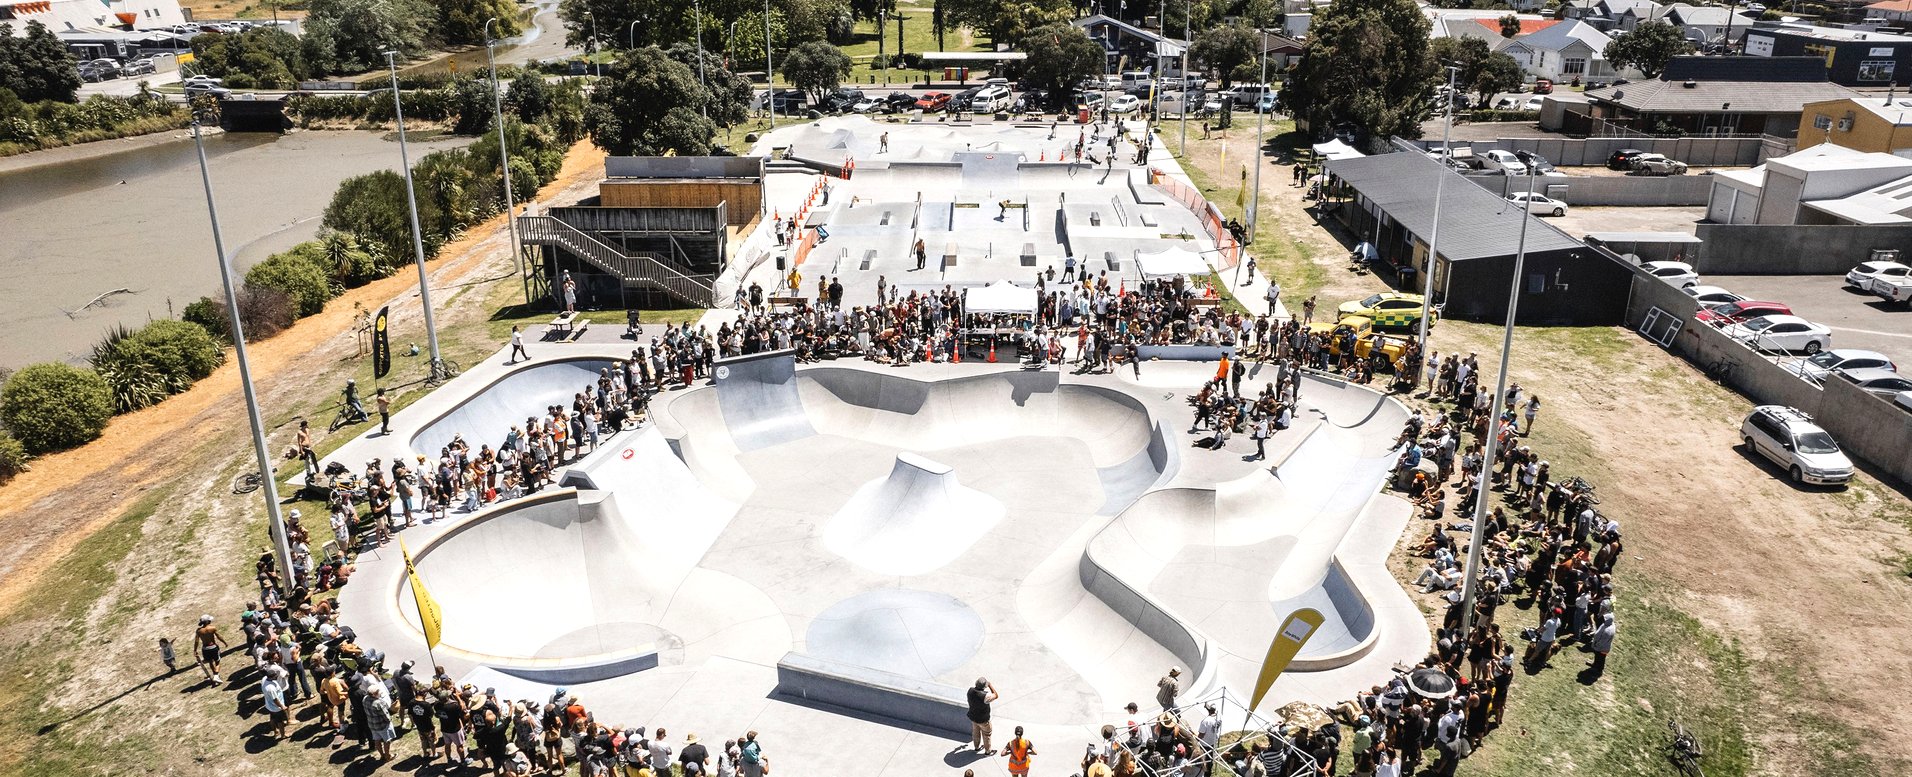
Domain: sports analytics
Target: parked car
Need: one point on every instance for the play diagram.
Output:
(962, 98)
(1266, 102)
(870, 105)
(1127, 103)
(1821, 364)
(139, 67)
(1031, 101)
(898, 101)
(933, 101)
(1735, 312)
(1897, 289)
(840, 101)
(1877, 381)
(1535, 162)
(1623, 159)
(202, 80)
(1539, 204)
(1778, 332)
(992, 98)
(1679, 274)
(1712, 295)
(1533, 103)
(789, 101)
(1860, 277)
(204, 90)
(1904, 400)
(1503, 161)
(1543, 86)
(1387, 310)
(1790, 439)
(1657, 164)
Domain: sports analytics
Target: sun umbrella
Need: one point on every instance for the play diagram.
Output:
(1431, 683)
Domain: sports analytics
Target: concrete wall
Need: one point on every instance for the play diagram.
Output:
(1793, 249)
(924, 703)
(1870, 429)
(1634, 190)
(1697, 152)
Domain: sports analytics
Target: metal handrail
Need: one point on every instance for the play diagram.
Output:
(641, 268)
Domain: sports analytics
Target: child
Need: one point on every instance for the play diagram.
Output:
(166, 654)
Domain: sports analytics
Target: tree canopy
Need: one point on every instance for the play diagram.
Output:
(1060, 56)
(728, 94)
(817, 68)
(651, 106)
(352, 35)
(36, 66)
(1004, 20)
(1366, 63)
(259, 58)
(1227, 49)
(1648, 47)
(1482, 70)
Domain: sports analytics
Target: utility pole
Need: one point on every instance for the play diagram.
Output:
(418, 241)
(1434, 233)
(282, 549)
(1254, 197)
(882, 16)
(698, 6)
(1468, 584)
(769, 69)
(504, 164)
(1186, 13)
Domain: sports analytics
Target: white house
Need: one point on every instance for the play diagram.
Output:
(1563, 52)
(1707, 23)
(1890, 10)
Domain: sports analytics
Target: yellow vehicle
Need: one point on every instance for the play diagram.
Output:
(1388, 310)
(1366, 339)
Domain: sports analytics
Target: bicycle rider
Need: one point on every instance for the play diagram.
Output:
(352, 400)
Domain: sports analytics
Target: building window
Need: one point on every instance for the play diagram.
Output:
(1876, 70)
(1821, 121)
(1573, 66)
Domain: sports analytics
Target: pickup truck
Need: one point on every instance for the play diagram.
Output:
(1895, 289)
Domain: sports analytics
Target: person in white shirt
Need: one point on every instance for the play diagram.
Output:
(1210, 729)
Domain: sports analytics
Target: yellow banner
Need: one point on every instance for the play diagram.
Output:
(183, 57)
(1294, 633)
(429, 616)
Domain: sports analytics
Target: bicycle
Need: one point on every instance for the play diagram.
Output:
(247, 482)
(442, 370)
(347, 416)
(1720, 371)
(1684, 750)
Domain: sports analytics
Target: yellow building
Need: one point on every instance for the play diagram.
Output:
(1882, 124)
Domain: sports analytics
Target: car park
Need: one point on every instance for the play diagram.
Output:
(1819, 365)
(1387, 310)
(1877, 381)
(1735, 312)
(1535, 162)
(1623, 158)
(1656, 164)
(1779, 332)
(1860, 277)
(1502, 161)
(1679, 274)
(1127, 103)
(898, 101)
(933, 101)
(1539, 204)
(1790, 439)
(1711, 295)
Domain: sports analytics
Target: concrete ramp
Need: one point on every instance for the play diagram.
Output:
(758, 397)
(913, 521)
(491, 411)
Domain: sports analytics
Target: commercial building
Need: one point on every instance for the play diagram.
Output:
(69, 16)
(1824, 184)
(1389, 202)
(1852, 57)
(1881, 124)
(1719, 96)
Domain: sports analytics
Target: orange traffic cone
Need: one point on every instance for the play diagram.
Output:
(992, 351)
(929, 349)
(1044, 157)
(956, 354)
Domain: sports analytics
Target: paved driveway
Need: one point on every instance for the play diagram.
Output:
(1857, 320)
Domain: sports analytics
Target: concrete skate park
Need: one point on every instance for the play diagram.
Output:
(837, 550)
(850, 539)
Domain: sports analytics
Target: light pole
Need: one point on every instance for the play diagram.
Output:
(1434, 233)
(418, 241)
(698, 7)
(595, 43)
(274, 522)
(882, 17)
(1254, 197)
(769, 68)
(504, 164)
(1186, 13)
(633, 33)
(1468, 584)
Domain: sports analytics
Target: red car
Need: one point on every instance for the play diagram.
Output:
(933, 101)
(1728, 313)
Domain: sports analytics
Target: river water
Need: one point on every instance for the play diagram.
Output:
(137, 220)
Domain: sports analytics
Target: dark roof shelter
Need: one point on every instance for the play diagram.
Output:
(1390, 203)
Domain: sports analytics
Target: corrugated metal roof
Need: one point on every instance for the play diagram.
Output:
(1728, 85)
(1475, 224)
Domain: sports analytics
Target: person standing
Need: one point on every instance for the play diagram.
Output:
(517, 346)
(384, 404)
(981, 695)
(695, 757)
(1532, 409)
(1602, 644)
(751, 756)
(210, 643)
(304, 444)
(1261, 438)
(1020, 750)
(660, 753)
(883, 143)
(1274, 295)
(1251, 274)
(1170, 686)
(272, 693)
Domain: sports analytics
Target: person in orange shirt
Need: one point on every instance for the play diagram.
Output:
(1020, 749)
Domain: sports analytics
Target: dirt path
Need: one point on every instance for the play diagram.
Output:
(45, 512)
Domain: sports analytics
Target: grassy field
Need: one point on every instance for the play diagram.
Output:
(919, 35)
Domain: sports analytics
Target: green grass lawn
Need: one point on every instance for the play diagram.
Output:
(919, 35)
(1275, 251)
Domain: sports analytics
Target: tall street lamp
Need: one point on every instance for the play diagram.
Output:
(698, 7)
(282, 549)
(504, 163)
(595, 43)
(633, 33)
(769, 68)
(418, 242)
(1434, 233)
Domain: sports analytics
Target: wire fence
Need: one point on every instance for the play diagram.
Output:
(1227, 249)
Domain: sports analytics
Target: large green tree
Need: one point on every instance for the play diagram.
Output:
(36, 66)
(1060, 56)
(728, 93)
(1480, 69)
(372, 208)
(1366, 63)
(651, 106)
(262, 58)
(462, 22)
(1648, 47)
(1227, 49)
(354, 34)
(817, 68)
(1004, 19)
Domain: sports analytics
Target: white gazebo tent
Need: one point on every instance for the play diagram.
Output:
(1335, 150)
(1000, 297)
(1170, 262)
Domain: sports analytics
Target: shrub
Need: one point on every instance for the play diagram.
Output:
(264, 312)
(53, 406)
(210, 316)
(298, 277)
(13, 457)
(156, 361)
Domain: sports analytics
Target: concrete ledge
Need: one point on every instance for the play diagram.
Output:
(1188, 353)
(578, 674)
(882, 694)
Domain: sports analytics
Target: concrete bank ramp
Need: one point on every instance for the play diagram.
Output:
(912, 521)
(488, 415)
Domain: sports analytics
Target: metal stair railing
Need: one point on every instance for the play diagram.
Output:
(638, 268)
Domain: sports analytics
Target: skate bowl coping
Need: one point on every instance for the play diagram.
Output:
(943, 708)
(485, 415)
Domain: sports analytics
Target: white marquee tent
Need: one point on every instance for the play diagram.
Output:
(1170, 262)
(1000, 297)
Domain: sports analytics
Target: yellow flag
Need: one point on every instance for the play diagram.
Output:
(1241, 194)
(429, 616)
(1294, 633)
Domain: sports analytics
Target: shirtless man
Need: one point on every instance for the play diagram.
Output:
(210, 642)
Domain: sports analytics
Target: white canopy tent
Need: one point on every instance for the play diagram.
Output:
(1335, 150)
(1000, 297)
(1170, 262)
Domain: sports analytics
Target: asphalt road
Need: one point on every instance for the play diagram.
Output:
(1857, 320)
